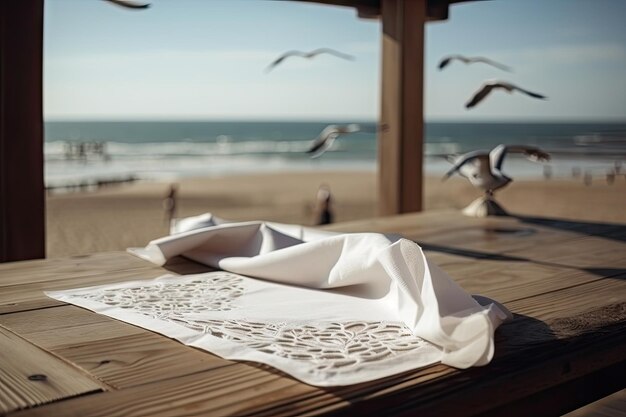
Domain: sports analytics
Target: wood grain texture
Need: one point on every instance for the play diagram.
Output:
(18, 273)
(400, 151)
(534, 355)
(83, 266)
(573, 300)
(437, 390)
(22, 288)
(30, 376)
(565, 283)
(224, 391)
(115, 352)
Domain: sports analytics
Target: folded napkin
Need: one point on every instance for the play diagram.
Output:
(327, 308)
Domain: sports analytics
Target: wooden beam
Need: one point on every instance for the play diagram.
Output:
(371, 9)
(22, 199)
(400, 144)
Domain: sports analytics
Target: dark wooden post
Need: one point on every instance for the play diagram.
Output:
(22, 198)
(400, 143)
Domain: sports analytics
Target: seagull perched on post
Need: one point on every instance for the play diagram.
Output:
(484, 170)
(327, 137)
(311, 54)
(471, 60)
(486, 88)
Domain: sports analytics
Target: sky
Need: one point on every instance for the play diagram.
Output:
(205, 60)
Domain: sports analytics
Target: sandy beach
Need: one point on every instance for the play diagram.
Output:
(117, 217)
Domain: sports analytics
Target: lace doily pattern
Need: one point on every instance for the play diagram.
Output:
(174, 300)
(330, 347)
(322, 348)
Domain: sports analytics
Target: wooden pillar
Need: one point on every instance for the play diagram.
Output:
(22, 198)
(400, 142)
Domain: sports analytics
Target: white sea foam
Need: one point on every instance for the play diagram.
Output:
(160, 150)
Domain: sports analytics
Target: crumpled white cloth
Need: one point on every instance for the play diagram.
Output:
(327, 308)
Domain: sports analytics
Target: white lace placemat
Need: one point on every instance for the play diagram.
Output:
(218, 312)
(328, 309)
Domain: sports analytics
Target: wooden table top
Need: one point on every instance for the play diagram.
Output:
(565, 282)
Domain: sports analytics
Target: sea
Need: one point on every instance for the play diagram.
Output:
(91, 153)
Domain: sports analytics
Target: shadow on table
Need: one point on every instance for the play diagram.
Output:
(525, 346)
(604, 230)
(516, 342)
(606, 272)
(611, 231)
(182, 266)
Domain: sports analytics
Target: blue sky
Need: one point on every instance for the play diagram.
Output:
(204, 59)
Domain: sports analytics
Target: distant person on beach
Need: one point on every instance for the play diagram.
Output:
(323, 208)
(82, 154)
(169, 204)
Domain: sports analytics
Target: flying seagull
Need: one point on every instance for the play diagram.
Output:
(471, 60)
(130, 4)
(486, 88)
(311, 54)
(327, 137)
(484, 168)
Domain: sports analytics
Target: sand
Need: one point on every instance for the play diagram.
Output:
(117, 217)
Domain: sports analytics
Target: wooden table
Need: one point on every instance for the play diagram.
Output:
(565, 281)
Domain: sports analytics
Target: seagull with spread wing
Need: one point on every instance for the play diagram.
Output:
(484, 168)
(311, 54)
(488, 86)
(471, 60)
(130, 4)
(327, 137)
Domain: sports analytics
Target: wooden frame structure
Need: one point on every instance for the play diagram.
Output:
(401, 138)
(22, 198)
(400, 147)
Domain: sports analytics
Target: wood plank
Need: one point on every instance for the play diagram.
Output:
(397, 223)
(493, 237)
(450, 230)
(584, 252)
(511, 382)
(26, 272)
(117, 353)
(67, 273)
(51, 319)
(512, 265)
(22, 197)
(545, 357)
(138, 359)
(400, 143)
(489, 238)
(507, 281)
(436, 221)
(611, 406)
(489, 277)
(223, 391)
(566, 320)
(247, 390)
(66, 337)
(574, 300)
(30, 376)
(52, 331)
(31, 296)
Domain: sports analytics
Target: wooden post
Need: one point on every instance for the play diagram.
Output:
(22, 198)
(400, 142)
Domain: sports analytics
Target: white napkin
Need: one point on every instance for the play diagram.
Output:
(327, 308)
